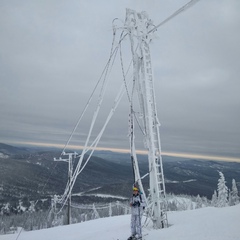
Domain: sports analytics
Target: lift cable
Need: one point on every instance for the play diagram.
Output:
(78, 168)
(180, 10)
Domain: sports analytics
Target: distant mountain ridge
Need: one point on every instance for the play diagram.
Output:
(33, 174)
(11, 150)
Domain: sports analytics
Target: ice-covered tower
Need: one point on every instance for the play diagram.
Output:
(138, 27)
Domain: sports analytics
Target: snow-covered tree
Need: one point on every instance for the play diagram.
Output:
(6, 208)
(198, 202)
(214, 201)
(31, 207)
(222, 191)
(233, 195)
(204, 202)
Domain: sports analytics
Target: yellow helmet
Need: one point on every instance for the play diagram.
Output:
(135, 189)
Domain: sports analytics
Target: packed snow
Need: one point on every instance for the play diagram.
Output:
(199, 224)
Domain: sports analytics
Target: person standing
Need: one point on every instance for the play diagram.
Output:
(137, 207)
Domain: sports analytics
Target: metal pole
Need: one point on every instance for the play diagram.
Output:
(70, 195)
(70, 173)
(69, 210)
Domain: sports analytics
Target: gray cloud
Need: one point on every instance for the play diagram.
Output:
(52, 54)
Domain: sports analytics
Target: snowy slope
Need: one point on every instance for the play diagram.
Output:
(200, 224)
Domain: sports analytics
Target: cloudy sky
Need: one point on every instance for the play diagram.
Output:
(52, 54)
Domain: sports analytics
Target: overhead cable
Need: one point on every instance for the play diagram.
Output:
(180, 10)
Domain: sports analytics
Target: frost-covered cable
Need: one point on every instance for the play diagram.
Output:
(78, 167)
(113, 53)
(180, 10)
(116, 102)
(70, 183)
(75, 174)
(123, 73)
(105, 71)
(96, 141)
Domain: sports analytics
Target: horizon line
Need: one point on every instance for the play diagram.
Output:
(142, 152)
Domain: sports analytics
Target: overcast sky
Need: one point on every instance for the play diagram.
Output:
(52, 53)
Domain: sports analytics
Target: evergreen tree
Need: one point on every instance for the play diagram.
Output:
(234, 194)
(230, 200)
(222, 191)
(198, 202)
(204, 202)
(31, 207)
(214, 201)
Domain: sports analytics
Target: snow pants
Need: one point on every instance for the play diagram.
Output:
(136, 227)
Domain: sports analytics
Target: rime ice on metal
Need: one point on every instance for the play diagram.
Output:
(138, 26)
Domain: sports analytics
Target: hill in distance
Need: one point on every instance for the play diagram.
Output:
(32, 174)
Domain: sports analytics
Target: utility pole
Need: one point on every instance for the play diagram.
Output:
(70, 171)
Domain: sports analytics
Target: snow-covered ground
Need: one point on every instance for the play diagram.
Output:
(100, 195)
(3, 156)
(199, 224)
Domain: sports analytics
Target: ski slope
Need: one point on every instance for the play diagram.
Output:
(199, 224)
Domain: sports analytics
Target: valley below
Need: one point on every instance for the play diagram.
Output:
(28, 174)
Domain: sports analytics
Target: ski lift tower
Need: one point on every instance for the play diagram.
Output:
(138, 27)
(69, 160)
(140, 30)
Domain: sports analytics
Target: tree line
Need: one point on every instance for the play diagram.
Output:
(30, 216)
